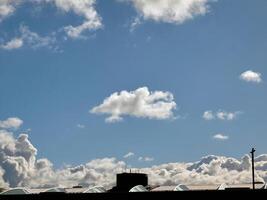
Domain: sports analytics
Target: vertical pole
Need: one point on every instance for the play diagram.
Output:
(253, 175)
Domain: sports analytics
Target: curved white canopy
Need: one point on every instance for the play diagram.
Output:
(95, 189)
(55, 190)
(181, 187)
(138, 188)
(15, 191)
(222, 186)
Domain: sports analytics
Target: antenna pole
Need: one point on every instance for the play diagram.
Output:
(253, 174)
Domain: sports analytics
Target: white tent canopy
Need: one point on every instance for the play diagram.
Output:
(181, 187)
(15, 191)
(62, 190)
(138, 188)
(95, 189)
(222, 186)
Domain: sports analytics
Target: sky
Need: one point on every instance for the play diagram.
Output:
(148, 82)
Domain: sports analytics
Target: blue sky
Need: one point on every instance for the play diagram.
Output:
(53, 84)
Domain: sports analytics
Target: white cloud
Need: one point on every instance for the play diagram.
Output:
(7, 8)
(221, 115)
(11, 123)
(170, 11)
(20, 167)
(138, 103)
(208, 115)
(80, 126)
(128, 155)
(251, 76)
(146, 159)
(84, 8)
(15, 43)
(220, 137)
(34, 40)
(31, 39)
(135, 23)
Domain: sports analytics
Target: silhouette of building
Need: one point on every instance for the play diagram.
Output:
(126, 181)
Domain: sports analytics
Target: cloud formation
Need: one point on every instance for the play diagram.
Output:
(251, 76)
(14, 43)
(208, 115)
(221, 115)
(128, 155)
(146, 159)
(220, 137)
(80, 126)
(11, 123)
(7, 8)
(86, 9)
(19, 166)
(31, 39)
(34, 40)
(140, 103)
(169, 11)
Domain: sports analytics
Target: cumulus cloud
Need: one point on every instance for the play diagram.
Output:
(11, 123)
(220, 137)
(128, 155)
(251, 76)
(19, 166)
(169, 11)
(138, 103)
(221, 115)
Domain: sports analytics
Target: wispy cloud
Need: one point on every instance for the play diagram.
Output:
(34, 40)
(139, 103)
(30, 39)
(85, 9)
(221, 115)
(220, 137)
(135, 23)
(128, 155)
(81, 126)
(146, 159)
